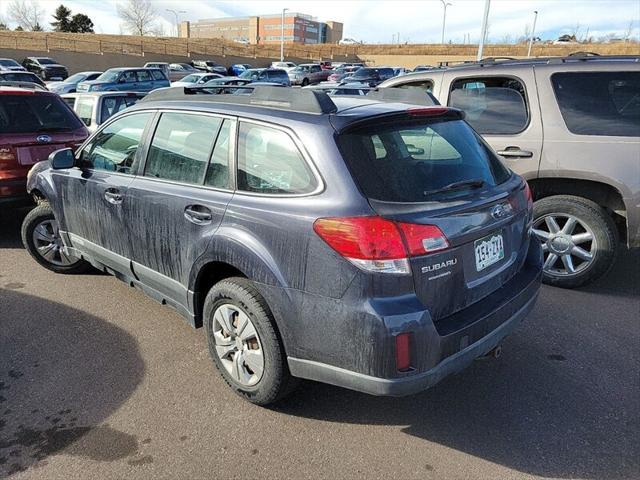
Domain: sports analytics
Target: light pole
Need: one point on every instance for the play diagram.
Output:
(175, 14)
(282, 37)
(483, 33)
(445, 4)
(533, 32)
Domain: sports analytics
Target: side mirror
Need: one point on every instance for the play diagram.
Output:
(61, 159)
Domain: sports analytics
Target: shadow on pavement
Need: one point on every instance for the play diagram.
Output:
(62, 373)
(10, 224)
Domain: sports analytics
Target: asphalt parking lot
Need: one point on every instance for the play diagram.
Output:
(99, 381)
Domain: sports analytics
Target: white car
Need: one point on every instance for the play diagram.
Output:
(69, 84)
(94, 108)
(10, 65)
(349, 41)
(195, 79)
(286, 66)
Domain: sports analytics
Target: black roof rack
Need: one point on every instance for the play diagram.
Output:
(572, 57)
(415, 95)
(25, 85)
(298, 99)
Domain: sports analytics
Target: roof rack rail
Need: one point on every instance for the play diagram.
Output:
(495, 59)
(414, 95)
(298, 99)
(25, 85)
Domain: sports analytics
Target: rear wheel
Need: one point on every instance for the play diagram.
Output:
(243, 342)
(305, 82)
(41, 238)
(579, 240)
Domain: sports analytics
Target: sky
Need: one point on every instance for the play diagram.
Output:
(380, 21)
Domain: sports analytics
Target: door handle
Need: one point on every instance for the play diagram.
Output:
(515, 152)
(113, 196)
(198, 214)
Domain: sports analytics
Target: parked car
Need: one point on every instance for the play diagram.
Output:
(397, 71)
(340, 73)
(422, 232)
(27, 85)
(33, 123)
(9, 64)
(70, 84)
(238, 68)
(13, 76)
(209, 66)
(286, 66)
(326, 65)
(332, 89)
(162, 66)
(266, 75)
(372, 75)
(571, 127)
(195, 79)
(308, 74)
(423, 68)
(184, 68)
(127, 80)
(46, 68)
(95, 108)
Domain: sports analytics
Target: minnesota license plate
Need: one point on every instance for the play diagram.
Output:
(489, 250)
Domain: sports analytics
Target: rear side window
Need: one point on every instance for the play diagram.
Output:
(114, 148)
(84, 109)
(157, 75)
(181, 147)
(424, 84)
(33, 113)
(144, 76)
(599, 103)
(218, 171)
(129, 76)
(409, 161)
(269, 162)
(493, 105)
(278, 75)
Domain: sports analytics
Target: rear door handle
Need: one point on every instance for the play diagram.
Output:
(515, 152)
(198, 214)
(113, 196)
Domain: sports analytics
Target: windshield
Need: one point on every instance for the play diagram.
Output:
(78, 77)
(364, 72)
(5, 62)
(36, 113)
(108, 76)
(408, 161)
(191, 78)
(250, 73)
(46, 61)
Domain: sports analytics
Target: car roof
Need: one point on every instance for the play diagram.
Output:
(103, 94)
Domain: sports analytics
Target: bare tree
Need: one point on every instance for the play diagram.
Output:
(28, 15)
(628, 32)
(138, 16)
(506, 39)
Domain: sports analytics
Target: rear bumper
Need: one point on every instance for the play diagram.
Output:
(14, 191)
(415, 383)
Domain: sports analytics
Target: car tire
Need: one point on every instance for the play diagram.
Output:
(589, 221)
(231, 299)
(42, 218)
(305, 82)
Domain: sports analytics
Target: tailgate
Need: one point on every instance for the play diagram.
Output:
(28, 155)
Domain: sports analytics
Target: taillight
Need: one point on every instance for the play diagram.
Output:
(8, 158)
(403, 352)
(379, 245)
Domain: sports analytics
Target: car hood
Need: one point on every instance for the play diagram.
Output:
(17, 68)
(54, 65)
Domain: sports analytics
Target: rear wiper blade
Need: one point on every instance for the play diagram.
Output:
(476, 183)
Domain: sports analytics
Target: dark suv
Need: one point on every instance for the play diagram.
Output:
(362, 242)
(46, 68)
(33, 123)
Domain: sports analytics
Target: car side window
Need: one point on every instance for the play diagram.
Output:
(84, 109)
(114, 148)
(269, 162)
(218, 170)
(493, 105)
(181, 147)
(157, 75)
(143, 76)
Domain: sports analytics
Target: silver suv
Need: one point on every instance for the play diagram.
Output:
(571, 127)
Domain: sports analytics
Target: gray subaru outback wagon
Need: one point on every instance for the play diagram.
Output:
(571, 127)
(367, 242)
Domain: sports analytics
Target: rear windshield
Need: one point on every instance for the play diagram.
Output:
(36, 113)
(275, 74)
(20, 77)
(599, 103)
(410, 161)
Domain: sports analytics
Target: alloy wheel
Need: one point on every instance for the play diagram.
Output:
(48, 243)
(238, 345)
(568, 244)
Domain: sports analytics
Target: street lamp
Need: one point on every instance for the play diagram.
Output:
(175, 14)
(533, 32)
(483, 33)
(282, 36)
(445, 4)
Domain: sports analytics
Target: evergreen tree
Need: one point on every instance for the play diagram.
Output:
(62, 19)
(80, 23)
(37, 28)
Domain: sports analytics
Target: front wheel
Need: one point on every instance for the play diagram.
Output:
(243, 342)
(41, 238)
(579, 240)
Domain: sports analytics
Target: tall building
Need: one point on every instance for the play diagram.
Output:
(265, 29)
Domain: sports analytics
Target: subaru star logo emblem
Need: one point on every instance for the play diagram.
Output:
(501, 210)
(43, 138)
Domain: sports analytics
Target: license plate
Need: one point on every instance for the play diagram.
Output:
(489, 250)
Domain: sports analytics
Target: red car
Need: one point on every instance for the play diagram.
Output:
(33, 123)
